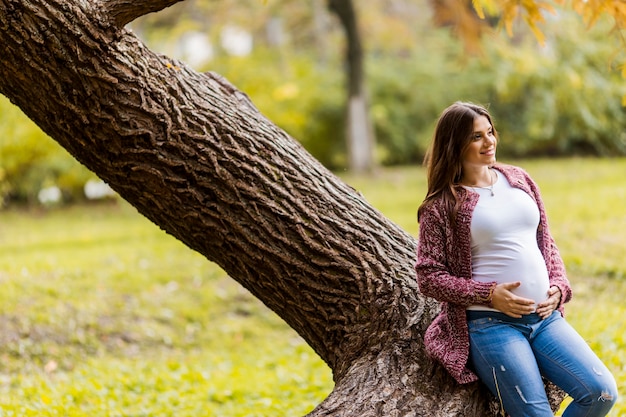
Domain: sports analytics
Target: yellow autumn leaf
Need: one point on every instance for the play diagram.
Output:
(508, 16)
(479, 8)
(541, 38)
(620, 11)
(491, 7)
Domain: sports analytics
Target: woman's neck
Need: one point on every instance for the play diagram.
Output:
(480, 177)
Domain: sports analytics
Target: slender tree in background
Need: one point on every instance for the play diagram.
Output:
(195, 156)
(359, 132)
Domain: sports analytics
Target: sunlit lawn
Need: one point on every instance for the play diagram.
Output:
(103, 314)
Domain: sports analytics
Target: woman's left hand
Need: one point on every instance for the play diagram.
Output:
(546, 308)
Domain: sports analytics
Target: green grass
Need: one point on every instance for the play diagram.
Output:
(103, 314)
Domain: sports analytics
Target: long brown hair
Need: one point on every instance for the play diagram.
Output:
(444, 158)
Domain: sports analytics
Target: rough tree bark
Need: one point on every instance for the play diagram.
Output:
(193, 155)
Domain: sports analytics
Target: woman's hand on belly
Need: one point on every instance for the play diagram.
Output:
(545, 308)
(506, 301)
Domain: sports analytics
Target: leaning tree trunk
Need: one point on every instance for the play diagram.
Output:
(193, 155)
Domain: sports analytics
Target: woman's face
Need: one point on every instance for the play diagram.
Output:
(482, 148)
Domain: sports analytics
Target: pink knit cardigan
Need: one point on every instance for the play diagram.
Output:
(444, 271)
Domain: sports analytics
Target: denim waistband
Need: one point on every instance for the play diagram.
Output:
(531, 318)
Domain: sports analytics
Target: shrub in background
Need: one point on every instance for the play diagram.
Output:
(409, 92)
(303, 97)
(562, 99)
(30, 161)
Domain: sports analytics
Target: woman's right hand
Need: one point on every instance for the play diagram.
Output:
(510, 304)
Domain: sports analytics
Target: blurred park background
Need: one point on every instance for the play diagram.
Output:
(102, 314)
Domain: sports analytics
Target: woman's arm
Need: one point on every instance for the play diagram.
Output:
(433, 273)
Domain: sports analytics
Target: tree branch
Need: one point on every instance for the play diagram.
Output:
(125, 11)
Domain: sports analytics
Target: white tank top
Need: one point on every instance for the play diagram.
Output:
(504, 241)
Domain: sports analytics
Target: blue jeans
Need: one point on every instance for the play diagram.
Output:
(510, 356)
